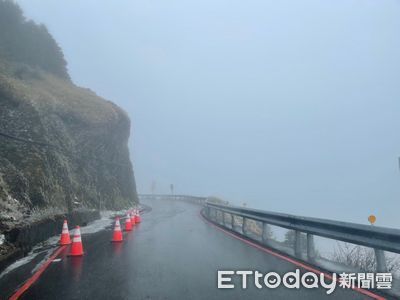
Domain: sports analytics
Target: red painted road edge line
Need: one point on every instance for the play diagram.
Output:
(36, 276)
(290, 260)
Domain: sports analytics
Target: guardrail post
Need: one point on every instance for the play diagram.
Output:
(310, 247)
(244, 226)
(221, 215)
(297, 243)
(223, 219)
(264, 234)
(232, 222)
(212, 213)
(380, 261)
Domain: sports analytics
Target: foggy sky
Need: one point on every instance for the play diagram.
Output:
(289, 106)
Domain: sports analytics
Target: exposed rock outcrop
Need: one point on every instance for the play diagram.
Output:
(65, 147)
(63, 150)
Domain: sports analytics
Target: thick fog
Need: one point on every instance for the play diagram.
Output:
(290, 106)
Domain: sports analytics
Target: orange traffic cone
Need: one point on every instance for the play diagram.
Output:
(138, 219)
(65, 238)
(117, 237)
(76, 247)
(133, 219)
(128, 224)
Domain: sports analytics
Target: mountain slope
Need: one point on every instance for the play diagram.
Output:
(61, 146)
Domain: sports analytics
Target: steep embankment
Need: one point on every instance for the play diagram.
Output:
(83, 157)
(62, 148)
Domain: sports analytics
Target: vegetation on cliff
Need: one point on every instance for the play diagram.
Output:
(61, 146)
(24, 41)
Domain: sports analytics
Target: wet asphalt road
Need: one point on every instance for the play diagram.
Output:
(172, 254)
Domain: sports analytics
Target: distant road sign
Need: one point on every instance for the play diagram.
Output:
(372, 219)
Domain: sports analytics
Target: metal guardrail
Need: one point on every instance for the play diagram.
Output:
(378, 238)
(192, 199)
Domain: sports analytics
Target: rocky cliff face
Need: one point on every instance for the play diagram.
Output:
(63, 149)
(61, 146)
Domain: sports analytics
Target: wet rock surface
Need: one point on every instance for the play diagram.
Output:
(63, 149)
(20, 240)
